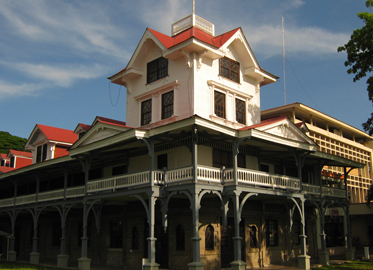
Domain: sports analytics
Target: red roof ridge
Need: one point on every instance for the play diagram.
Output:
(110, 121)
(20, 153)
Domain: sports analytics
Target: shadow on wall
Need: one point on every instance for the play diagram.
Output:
(254, 114)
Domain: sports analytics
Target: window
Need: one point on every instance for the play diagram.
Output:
(271, 233)
(296, 229)
(119, 170)
(12, 162)
(240, 111)
(135, 238)
(219, 104)
(157, 69)
(180, 238)
(209, 238)
(222, 158)
(146, 112)
(253, 237)
(41, 153)
(116, 234)
(162, 161)
(230, 69)
(167, 105)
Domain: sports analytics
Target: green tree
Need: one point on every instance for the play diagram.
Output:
(360, 56)
(8, 141)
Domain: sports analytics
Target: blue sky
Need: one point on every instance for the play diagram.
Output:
(55, 56)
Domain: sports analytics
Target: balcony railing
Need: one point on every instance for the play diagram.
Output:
(204, 174)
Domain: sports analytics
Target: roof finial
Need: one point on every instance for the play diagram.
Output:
(194, 6)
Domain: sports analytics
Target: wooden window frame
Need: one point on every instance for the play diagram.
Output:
(272, 232)
(229, 69)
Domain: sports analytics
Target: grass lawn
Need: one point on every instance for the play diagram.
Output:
(349, 266)
(24, 266)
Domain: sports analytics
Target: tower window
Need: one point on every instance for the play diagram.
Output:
(240, 111)
(146, 112)
(157, 69)
(167, 104)
(229, 69)
(219, 104)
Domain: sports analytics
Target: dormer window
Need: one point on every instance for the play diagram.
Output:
(41, 153)
(146, 112)
(157, 69)
(240, 111)
(167, 104)
(229, 69)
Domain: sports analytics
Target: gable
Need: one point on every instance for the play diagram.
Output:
(99, 131)
(286, 130)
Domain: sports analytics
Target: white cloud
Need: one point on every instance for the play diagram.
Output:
(63, 75)
(8, 90)
(85, 26)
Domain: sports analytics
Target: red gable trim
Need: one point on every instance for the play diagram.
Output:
(265, 122)
(197, 33)
(84, 126)
(110, 121)
(58, 134)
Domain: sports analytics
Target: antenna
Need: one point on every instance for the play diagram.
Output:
(194, 6)
(283, 56)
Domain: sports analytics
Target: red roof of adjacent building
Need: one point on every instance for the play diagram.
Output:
(195, 32)
(58, 134)
(6, 169)
(85, 126)
(20, 153)
(4, 156)
(265, 122)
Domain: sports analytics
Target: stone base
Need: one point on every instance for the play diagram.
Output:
(62, 260)
(238, 265)
(150, 266)
(34, 258)
(84, 263)
(350, 254)
(12, 255)
(324, 258)
(304, 262)
(196, 266)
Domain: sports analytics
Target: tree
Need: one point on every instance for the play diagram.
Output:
(360, 56)
(8, 141)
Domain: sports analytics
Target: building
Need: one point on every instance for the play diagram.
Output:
(337, 138)
(14, 160)
(194, 179)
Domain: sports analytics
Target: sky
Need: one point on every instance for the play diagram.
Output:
(56, 56)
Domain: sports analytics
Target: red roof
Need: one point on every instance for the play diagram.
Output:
(20, 153)
(110, 121)
(84, 126)
(3, 156)
(195, 32)
(6, 169)
(58, 134)
(265, 122)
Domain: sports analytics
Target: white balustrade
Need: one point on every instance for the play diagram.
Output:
(258, 178)
(209, 174)
(312, 189)
(193, 20)
(51, 195)
(26, 199)
(75, 192)
(7, 202)
(178, 175)
(334, 192)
